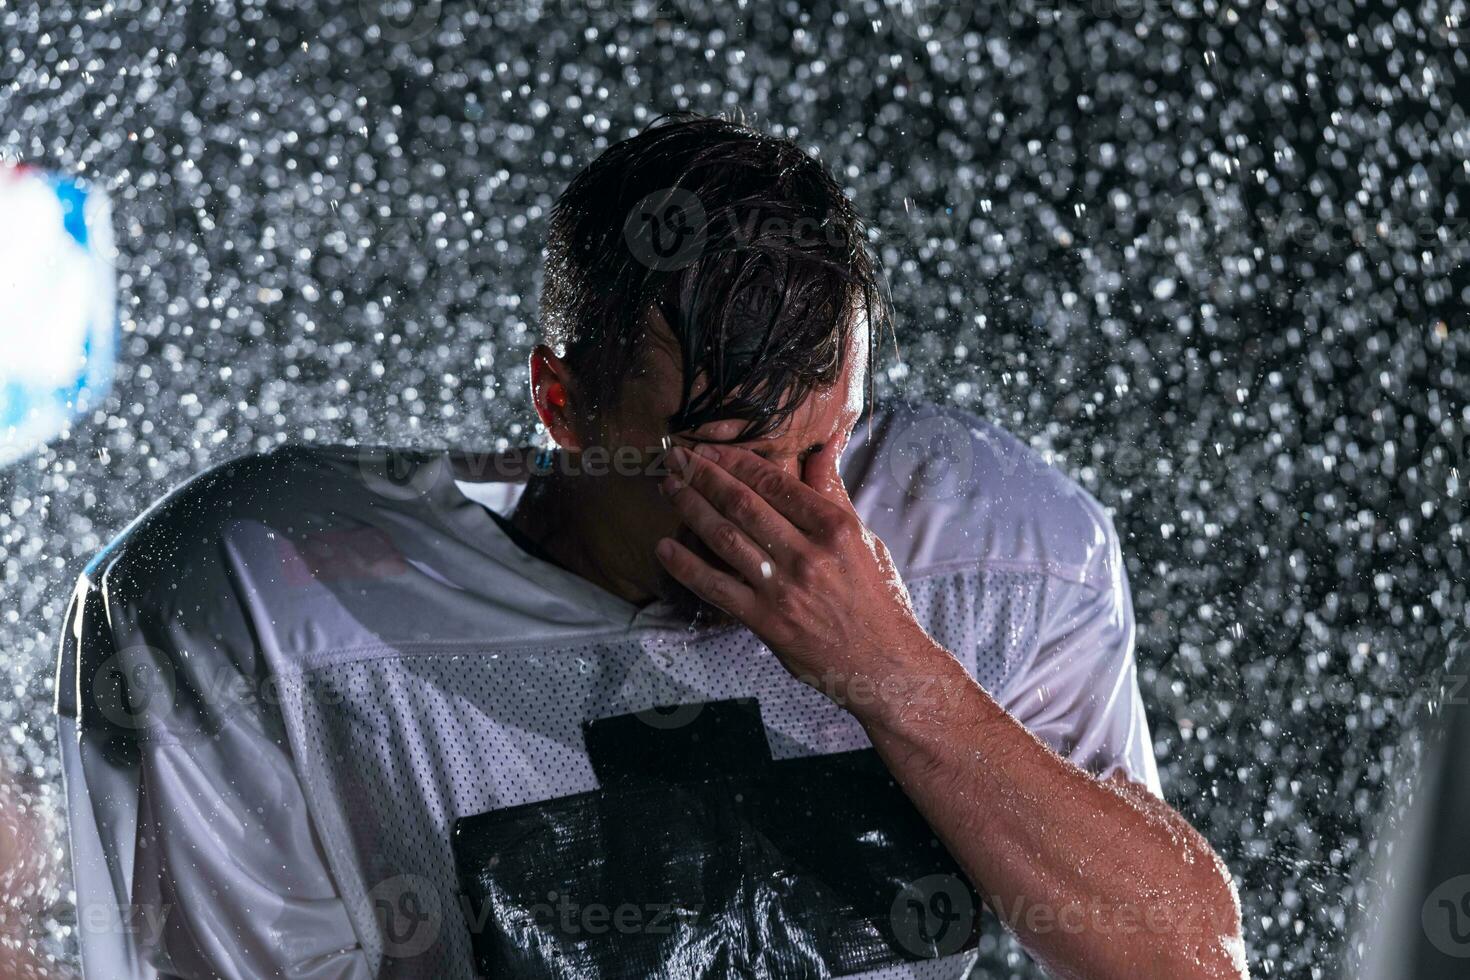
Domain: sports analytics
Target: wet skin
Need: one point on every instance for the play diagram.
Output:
(764, 534)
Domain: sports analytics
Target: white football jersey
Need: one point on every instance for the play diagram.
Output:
(281, 687)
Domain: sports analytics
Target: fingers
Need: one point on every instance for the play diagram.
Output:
(736, 502)
(786, 495)
(724, 537)
(714, 587)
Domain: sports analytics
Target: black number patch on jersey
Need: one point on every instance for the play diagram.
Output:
(700, 856)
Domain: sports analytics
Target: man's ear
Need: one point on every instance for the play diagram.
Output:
(555, 397)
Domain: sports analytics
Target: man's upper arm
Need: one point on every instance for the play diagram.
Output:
(1079, 690)
(193, 852)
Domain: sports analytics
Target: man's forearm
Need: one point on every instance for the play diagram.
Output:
(1097, 878)
(1035, 833)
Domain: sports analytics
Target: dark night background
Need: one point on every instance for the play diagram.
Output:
(1211, 256)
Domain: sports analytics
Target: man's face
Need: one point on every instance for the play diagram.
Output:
(638, 513)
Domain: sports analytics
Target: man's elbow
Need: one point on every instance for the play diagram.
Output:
(1212, 943)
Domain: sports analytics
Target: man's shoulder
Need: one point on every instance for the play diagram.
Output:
(944, 487)
(180, 535)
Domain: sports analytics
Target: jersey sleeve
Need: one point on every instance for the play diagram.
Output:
(193, 851)
(1079, 691)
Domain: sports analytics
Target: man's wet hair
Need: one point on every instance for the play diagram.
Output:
(742, 241)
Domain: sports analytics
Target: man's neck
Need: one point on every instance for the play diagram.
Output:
(558, 512)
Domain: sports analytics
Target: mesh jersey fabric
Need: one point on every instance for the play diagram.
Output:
(280, 687)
